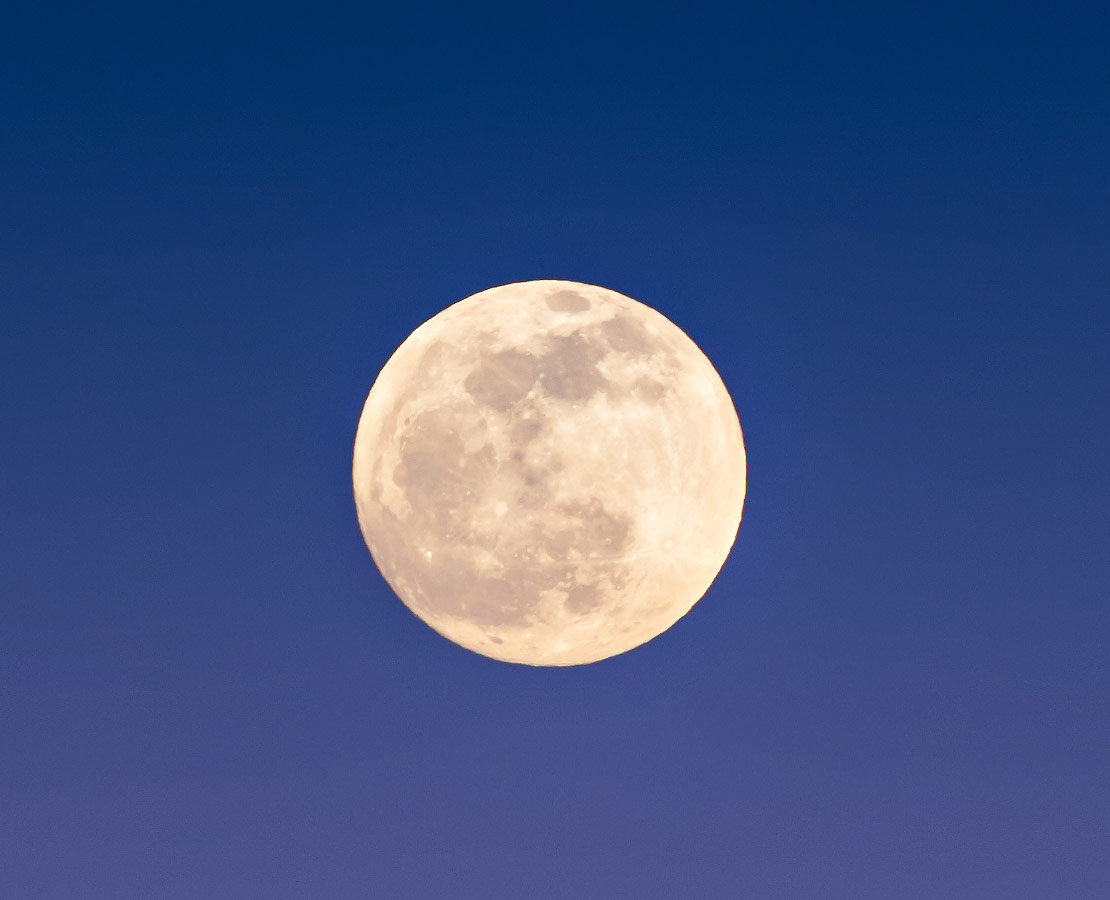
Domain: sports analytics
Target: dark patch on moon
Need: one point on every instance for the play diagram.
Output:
(628, 335)
(438, 477)
(525, 430)
(567, 301)
(433, 358)
(650, 390)
(502, 379)
(535, 488)
(568, 371)
(448, 584)
(599, 532)
(493, 601)
(583, 598)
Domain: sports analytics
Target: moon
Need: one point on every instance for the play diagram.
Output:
(549, 473)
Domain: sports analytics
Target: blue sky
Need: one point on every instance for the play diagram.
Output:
(888, 229)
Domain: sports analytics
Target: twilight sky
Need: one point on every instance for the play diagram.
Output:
(888, 228)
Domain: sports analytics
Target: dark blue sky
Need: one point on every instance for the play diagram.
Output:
(890, 230)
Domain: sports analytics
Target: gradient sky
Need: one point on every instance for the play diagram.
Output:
(888, 227)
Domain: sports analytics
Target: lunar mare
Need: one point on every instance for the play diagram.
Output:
(549, 473)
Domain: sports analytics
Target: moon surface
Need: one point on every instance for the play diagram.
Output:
(549, 473)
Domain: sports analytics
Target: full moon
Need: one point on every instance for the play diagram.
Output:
(549, 473)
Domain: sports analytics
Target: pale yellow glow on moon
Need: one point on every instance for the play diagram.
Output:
(549, 473)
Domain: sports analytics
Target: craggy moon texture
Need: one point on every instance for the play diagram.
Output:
(549, 473)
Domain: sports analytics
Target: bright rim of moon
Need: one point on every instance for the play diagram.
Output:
(549, 473)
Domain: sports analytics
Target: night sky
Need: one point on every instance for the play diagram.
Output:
(888, 227)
